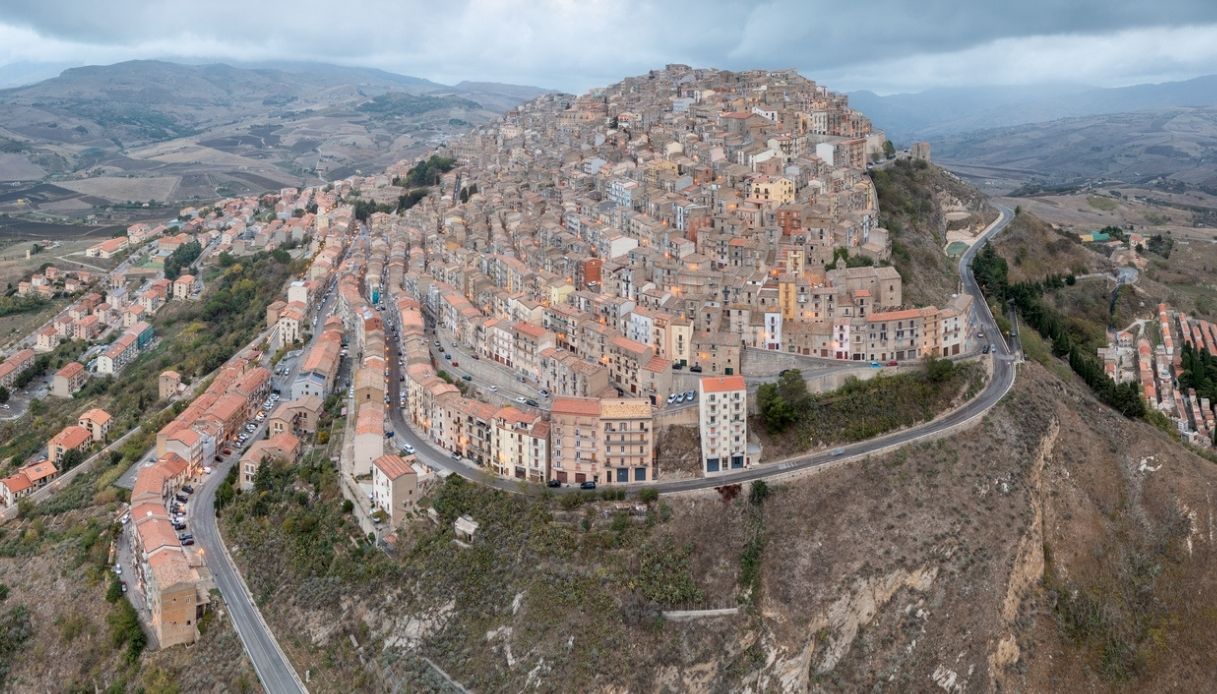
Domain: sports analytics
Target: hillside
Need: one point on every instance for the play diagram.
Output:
(918, 204)
(1008, 556)
(1134, 147)
(946, 111)
(59, 629)
(148, 130)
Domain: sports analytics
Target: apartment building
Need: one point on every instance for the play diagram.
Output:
(722, 420)
(608, 441)
(71, 438)
(68, 380)
(97, 422)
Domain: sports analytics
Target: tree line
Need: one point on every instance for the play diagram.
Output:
(991, 273)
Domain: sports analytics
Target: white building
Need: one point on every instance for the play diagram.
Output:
(723, 421)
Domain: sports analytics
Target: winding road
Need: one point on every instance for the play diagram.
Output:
(1004, 359)
(275, 670)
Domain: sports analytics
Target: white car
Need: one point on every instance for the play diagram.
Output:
(521, 399)
(493, 388)
(408, 448)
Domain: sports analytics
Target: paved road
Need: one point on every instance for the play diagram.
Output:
(270, 662)
(1002, 380)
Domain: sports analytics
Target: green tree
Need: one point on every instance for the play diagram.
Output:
(181, 257)
(776, 412)
(71, 459)
(4, 395)
(889, 150)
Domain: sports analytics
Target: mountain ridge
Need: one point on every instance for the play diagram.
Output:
(953, 111)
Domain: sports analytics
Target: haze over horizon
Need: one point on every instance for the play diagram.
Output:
(885, 46)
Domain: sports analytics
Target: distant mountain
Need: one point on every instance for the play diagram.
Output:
(1169, 147)
(946, 112)
(207, 130)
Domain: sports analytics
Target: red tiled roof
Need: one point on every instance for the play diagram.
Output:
(722, 384)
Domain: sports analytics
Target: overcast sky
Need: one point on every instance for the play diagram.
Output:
(882, 45)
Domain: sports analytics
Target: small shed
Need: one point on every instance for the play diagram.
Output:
(465, 528)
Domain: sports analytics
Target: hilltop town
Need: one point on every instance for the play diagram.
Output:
(535, 304)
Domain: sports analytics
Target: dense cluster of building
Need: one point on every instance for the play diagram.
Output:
(611, 250)
(1154, 361)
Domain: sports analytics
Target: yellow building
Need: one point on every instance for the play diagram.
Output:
(777, 189)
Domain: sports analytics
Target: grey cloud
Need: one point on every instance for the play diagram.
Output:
(574, 44)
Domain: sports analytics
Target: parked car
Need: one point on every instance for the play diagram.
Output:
(677, 366)
(493, 388)
(118, 569)
(187, 542)
(188, 489)
(179, 526)
(690, 396)
(456, 363)
(544, 393)
(553, 484)
(893, 362)
(181, 497)
(521, 399)
(185, 536)
(474, 356)
(875, 364)
(408, 448)
(447, 356)
(672, 398)
(590, 484)
(696, 368)
(123, 584)
(531, 403)
(467, 377)
(838, 451)
(985, 349)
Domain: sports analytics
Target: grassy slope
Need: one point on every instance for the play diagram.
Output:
(911, 200)
(56, 567)
(1034, 250)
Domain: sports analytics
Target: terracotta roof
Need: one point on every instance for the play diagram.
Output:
(576, 406)
(393, 466)
(513, 416)
(17, 482)
(70, 369)
(40, 470)
(72, 436)
(722, 384)
(529, 329)
(906, 314)
(97, 416)
(171, 569)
